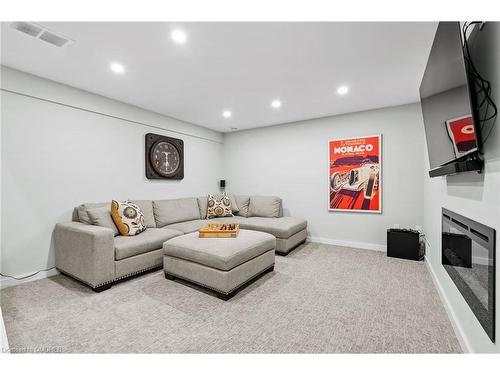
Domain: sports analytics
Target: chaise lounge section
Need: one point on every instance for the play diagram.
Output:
(89, 248)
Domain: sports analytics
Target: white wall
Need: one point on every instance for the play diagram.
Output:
(291, 161)
(4, 342)
(55, 157)
(473, 195)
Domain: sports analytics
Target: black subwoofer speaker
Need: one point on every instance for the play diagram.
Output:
(404, 243)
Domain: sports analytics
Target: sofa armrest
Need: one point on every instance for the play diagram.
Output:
(86, 252)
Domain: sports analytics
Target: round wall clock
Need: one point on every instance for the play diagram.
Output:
(164, 157)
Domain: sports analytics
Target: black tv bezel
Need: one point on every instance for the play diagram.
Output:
(471, 161)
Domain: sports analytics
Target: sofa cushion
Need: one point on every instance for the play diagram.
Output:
(242, 201)
(146, 207)
(128, 218)
(152, 239)
(280, 227)
(83, 216)
(188, 226)
(218, 207)
(220, 253)
(170, 211)
(264, 206)
(102, 217)
(227, 220)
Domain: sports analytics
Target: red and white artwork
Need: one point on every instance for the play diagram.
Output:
(462, 134)
(355, 174)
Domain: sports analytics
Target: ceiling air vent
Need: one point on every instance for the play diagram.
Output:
(54, 39)
(27, 28)
(41, 33)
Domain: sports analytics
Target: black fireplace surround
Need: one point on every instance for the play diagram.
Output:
(468, 255)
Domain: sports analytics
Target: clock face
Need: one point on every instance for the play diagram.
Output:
(165, 158)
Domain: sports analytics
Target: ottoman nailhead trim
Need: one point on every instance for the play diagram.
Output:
(211, 287)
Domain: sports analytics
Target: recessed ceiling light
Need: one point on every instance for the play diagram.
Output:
(227, 114)
(342, 90)
(276, 103)
(117, 68)
(178, 36)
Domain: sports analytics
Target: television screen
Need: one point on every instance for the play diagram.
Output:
(445, 98)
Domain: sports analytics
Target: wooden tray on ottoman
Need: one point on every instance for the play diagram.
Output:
(219, 231)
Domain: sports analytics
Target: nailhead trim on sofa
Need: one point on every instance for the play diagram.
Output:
(157, 266)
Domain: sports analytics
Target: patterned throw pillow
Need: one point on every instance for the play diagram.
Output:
(218, 207)
(128, 218)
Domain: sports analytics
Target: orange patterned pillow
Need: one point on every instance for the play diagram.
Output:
(128, 218)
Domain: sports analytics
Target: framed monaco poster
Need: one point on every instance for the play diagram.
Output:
(462, 134)
(355, 174)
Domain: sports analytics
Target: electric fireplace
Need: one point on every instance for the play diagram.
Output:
(468, 255)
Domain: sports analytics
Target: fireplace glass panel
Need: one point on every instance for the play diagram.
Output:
(468, 255)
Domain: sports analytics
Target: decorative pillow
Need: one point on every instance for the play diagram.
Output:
(218, 207)
(128, 218)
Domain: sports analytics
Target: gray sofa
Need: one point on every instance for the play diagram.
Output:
(93, 253)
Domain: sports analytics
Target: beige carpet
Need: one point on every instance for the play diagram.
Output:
(320, 298)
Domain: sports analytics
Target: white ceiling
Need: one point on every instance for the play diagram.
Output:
(237, 66)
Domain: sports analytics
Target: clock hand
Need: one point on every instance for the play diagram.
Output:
(166, 158)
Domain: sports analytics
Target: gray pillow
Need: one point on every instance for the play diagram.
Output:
(203, 206)
(101, 216)
(243, 202)
(234, 204)
(147, 209)
(170, 211)
(264, 206)
(83, 217)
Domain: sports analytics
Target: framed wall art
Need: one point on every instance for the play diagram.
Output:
(355, 174)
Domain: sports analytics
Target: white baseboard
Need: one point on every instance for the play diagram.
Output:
(7, 281)
(356, 245)
(457, 327)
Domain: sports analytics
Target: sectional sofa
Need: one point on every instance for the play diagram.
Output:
(90, 250)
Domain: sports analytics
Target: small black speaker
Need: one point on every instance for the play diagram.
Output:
(404, 243)
(222, 184)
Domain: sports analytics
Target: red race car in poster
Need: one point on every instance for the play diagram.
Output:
(355, 174)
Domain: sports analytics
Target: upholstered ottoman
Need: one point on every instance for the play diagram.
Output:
(221, 264)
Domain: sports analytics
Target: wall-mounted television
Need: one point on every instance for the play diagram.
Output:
(448, 105)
